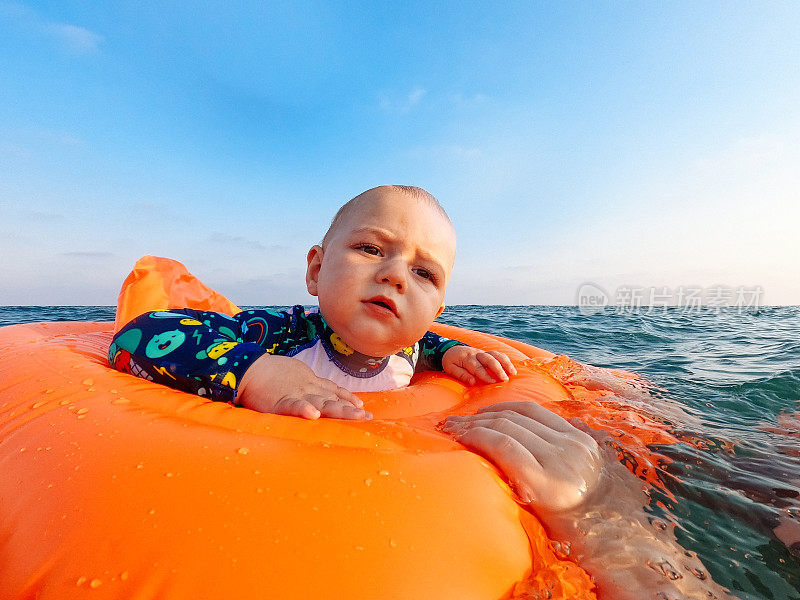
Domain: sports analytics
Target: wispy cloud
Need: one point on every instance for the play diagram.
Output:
(460, 99)
(282, 289)
(9, 149)
(146, 207)
(416, 95)
(59, 138)
(70, 37)
(25, 144)
(445, 151)
(227, 239)
(88, 254)
(41, 216)
(402, 104)
(78, 40)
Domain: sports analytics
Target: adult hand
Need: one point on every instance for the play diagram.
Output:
(548, 462)
(285, 386)
(555, 466)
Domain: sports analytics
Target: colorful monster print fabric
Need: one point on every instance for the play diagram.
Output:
(206, 353)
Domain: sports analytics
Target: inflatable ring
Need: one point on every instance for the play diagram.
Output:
(114, 487)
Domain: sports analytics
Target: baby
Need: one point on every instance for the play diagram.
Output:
(380, 275)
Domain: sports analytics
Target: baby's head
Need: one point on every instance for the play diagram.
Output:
(382, 269)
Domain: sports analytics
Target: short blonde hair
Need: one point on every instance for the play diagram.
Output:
(410, 190)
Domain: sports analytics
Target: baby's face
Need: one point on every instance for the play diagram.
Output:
(382, 274)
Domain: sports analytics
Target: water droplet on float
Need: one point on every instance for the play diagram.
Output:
(123, 576)
(82, 411)
(38, 404)
(243, 450)
(664, 567)
(120, 400)
(95, 583)
(700, 574)
(88, 381)
(393, 544)
(368, 482)
(384, 472)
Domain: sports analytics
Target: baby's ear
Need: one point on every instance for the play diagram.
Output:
(312, 272)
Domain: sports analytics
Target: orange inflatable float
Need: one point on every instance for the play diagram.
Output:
(114, 487)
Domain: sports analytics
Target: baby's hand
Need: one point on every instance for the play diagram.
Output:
(470, 365)
(285, 386)
(547, 461)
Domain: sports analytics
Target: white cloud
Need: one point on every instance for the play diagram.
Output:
(459, 99)
(416, 95)
(400, 105)
(445, 151)
(78, 40)
(226, 239)
(41, 216)
(9, 149)
(87, 254)
(284, 288)
(24, 144)
(59, 138)
(72, 38)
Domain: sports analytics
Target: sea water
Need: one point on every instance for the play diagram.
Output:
(734, 479)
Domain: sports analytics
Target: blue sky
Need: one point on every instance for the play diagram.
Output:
(631, 145)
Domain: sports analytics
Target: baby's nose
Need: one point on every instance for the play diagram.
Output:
(394, 274)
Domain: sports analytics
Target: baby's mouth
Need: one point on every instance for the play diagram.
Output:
(383, 302)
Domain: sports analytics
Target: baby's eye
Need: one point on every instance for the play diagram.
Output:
(369, 249)
(424, 273)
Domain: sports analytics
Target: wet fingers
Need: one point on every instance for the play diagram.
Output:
(337, 409)
(491, 367)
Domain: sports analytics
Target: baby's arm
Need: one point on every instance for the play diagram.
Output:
(212, 355)
(286, 386)
(467, 364)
